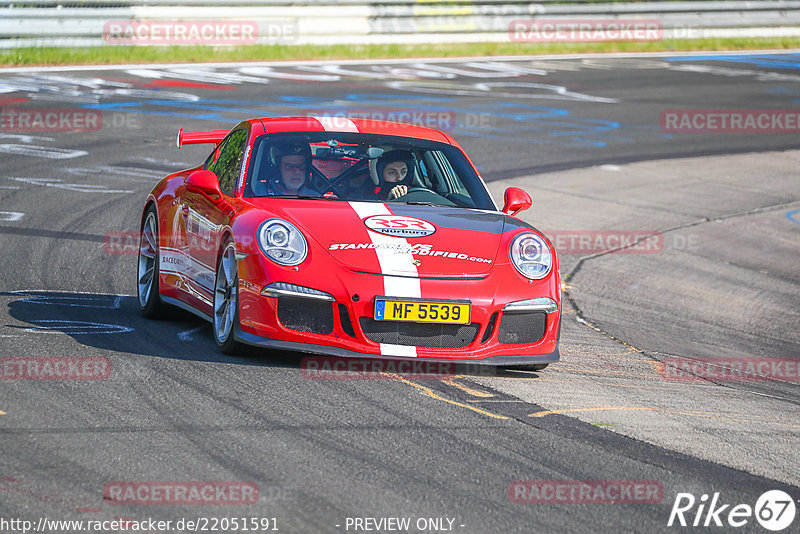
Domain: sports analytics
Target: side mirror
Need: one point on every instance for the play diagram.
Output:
(205, 183)
(516, 200)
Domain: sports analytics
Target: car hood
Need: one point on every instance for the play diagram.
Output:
(401, 239)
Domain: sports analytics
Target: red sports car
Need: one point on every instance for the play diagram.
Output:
(350, 238)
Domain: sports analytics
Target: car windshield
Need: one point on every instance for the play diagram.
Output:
(363, 167)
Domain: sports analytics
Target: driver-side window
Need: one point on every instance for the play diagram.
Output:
(227, 165)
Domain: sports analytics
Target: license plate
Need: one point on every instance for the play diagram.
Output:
(420, 311)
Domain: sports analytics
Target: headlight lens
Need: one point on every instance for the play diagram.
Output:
(282, 242)
(531, 256)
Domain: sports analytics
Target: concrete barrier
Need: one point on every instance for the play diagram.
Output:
(46, 23)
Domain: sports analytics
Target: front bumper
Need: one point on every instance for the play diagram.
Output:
(497, 335)
(328, 350)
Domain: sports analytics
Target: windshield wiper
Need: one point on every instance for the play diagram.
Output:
(418, 203)
(304, 197)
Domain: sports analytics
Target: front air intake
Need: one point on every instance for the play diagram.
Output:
(419, 334)
(522, 327)
(306, 315)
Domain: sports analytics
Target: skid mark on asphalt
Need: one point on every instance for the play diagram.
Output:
(615, 355)
(605, 384)
(614, 373)
(474, 392)
(41, 151)
(430, 393)
(513, 405)
(708, 415)
(60, 184)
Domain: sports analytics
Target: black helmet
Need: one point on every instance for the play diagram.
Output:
(406, 156)
(279, 149)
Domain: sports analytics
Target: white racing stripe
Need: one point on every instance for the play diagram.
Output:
(337, 124)
(392, 261)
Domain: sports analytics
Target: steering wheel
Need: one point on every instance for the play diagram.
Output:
(414, 189)
(430, 196)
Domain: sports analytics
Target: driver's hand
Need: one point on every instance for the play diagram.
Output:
(398, 191)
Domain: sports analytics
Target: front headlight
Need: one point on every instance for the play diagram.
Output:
(531, 256)
(282, 242)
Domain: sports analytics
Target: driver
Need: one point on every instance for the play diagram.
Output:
(290, 170)
(395, 170)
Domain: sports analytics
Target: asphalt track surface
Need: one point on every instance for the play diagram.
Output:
(582, 134)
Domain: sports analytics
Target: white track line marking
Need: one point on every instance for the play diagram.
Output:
(187, 335)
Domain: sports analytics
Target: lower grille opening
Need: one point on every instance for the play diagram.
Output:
(306, 315)
(419, 334)
(522, 327)
(344, 318)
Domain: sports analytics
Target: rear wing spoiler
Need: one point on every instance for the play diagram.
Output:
(194, 138)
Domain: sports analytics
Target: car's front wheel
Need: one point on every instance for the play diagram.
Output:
(226, 299)
(150, 304)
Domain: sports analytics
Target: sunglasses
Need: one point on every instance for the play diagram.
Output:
(293, 166)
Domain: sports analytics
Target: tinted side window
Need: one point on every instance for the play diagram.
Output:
(230, 161)
(212, 159)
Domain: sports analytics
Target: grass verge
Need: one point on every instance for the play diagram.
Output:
(190, 54)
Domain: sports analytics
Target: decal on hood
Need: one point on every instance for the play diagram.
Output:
(404, 248)
(399, 226)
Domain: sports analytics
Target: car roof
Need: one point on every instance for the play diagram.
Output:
(342, 124)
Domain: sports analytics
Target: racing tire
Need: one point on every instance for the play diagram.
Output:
(225, 313)
(148, 286)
